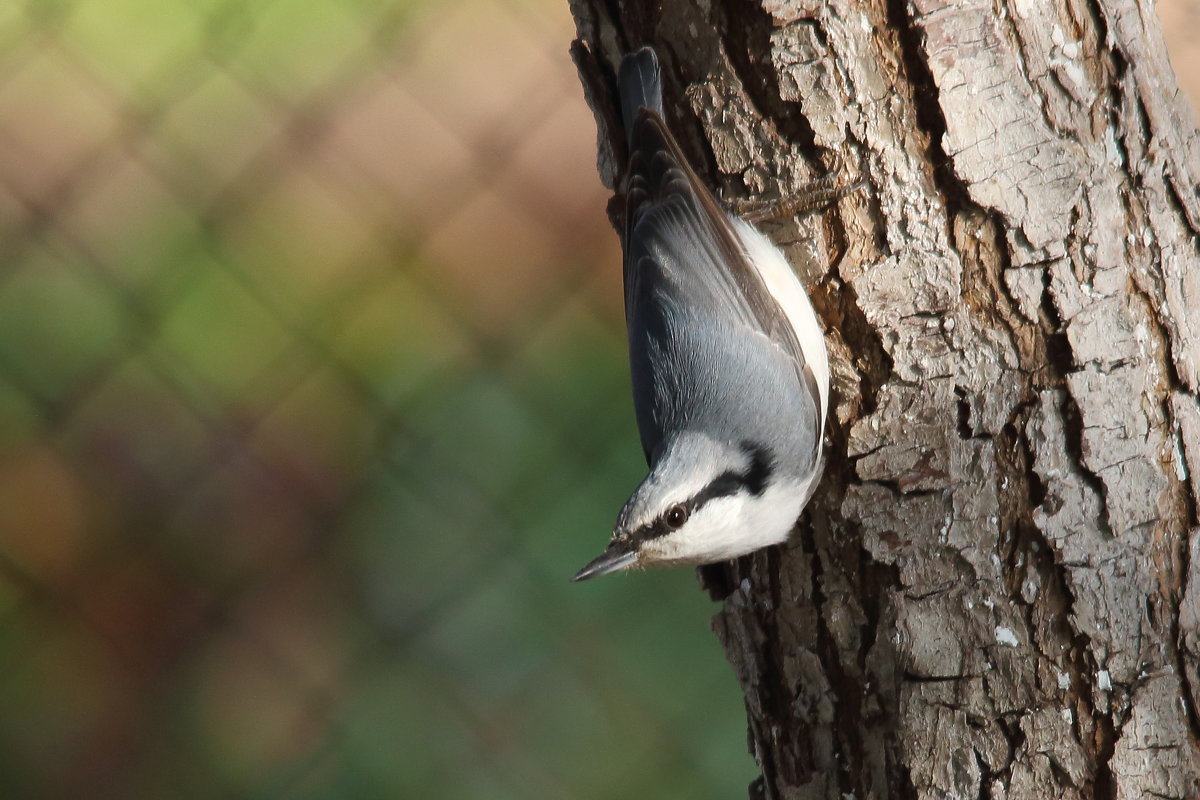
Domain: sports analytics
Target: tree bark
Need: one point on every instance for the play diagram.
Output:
(996, 591)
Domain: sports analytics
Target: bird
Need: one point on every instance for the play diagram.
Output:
(728, 362)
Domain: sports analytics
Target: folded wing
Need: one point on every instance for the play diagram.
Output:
(683, 253)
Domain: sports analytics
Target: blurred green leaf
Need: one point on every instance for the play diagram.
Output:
(59, 323)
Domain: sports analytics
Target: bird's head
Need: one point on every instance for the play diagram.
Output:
(704, 500)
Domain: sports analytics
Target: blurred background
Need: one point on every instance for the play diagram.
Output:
(312, 396)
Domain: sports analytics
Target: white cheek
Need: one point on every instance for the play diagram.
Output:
(729, 527)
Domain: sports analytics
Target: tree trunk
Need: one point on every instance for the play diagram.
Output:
(996, 590)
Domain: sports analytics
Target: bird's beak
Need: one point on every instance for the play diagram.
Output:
(618, 556)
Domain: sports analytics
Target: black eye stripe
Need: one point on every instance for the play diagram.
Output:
(724, 485)
(762, 465)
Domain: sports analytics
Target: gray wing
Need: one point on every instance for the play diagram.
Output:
(683, 256)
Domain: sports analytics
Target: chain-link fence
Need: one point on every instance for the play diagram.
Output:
(312, 397)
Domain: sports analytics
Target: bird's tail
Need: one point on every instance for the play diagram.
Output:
(639, 82)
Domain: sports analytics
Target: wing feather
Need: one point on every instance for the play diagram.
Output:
(683, 250)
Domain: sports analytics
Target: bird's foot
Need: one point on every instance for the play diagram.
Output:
(807, 198)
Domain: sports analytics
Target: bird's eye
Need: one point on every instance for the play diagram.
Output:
(676, 515)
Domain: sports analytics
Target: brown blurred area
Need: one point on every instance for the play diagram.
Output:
(1181, 29)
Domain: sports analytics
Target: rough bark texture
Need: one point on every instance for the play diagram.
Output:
(996, 591)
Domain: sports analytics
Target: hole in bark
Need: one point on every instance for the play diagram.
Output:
(1058, 353)
(964, 414)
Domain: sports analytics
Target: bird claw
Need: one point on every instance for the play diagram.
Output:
(807, 198)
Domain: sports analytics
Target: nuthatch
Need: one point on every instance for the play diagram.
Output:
(730, 373)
